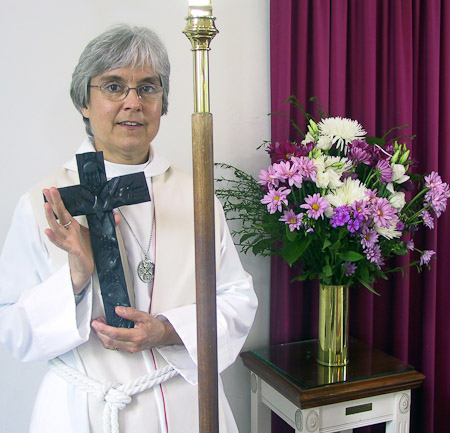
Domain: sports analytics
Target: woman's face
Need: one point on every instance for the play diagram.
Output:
(124, 129)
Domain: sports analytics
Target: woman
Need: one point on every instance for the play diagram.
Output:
(54, 309)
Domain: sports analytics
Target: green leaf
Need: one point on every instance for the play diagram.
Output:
(291, 236)
(326, 244)
(261, 246)
(292, 251)
(350, 256)
(375, 140)
(328, 271)
(366, 285)
(301, 277)
(246, 236)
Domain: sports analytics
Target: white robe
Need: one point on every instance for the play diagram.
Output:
(39, 319)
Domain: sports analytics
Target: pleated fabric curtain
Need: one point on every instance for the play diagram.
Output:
(384, 63)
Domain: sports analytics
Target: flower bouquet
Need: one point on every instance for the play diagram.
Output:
(338, 205)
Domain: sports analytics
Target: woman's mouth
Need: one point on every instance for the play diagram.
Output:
(129, 123)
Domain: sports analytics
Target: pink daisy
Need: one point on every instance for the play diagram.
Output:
(315, 206)
(275, 199)
(305, 167)
(294, 221)
(287, 171)
(268, 177)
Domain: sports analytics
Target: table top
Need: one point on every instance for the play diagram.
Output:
(293, 371)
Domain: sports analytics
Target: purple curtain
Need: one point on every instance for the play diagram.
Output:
(384, 63)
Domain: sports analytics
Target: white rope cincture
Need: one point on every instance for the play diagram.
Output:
(115, 396)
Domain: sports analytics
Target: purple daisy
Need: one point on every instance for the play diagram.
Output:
(350, 268)
(428, 219)
(385, 171)
(369, 237)
(360, 151)
(410, 245)
(362, 207)
(383, 212)
(373, 254)
(426, 257)
(433, 180)
(437, 197)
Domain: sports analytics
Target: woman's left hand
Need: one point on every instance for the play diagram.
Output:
(148, 332)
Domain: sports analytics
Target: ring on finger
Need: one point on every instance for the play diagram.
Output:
(66, 225)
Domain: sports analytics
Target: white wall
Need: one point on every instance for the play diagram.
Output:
(41, 42)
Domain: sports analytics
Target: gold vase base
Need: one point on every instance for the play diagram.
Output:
(333, 364)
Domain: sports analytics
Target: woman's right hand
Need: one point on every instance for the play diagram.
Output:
(70, 236)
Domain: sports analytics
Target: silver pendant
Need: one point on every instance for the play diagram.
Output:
(146, 270)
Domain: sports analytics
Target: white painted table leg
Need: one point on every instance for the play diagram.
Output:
(400, 422)
(261, 420)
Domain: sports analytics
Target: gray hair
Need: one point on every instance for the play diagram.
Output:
(119, 47)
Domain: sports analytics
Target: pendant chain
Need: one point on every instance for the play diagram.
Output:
(134, 234)
(146, 268)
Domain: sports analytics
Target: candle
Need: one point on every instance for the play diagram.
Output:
(200, 8)
(197, 3)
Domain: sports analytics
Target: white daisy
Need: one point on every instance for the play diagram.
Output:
(341, 131)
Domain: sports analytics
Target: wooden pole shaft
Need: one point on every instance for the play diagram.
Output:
(205, 270)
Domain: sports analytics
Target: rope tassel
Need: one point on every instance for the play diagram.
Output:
(114, 395)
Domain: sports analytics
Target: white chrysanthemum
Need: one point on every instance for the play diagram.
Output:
(329, 170)
(350, 191)
(341, 131)
(389, 232)
(398, 173)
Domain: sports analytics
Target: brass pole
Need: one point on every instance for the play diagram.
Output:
(200, 30)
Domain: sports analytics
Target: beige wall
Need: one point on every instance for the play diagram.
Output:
(41, 42)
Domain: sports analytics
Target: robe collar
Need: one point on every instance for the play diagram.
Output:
(155, 165)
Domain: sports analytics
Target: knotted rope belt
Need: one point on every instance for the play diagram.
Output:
(115, 395)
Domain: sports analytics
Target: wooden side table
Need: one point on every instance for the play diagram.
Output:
(373, 388)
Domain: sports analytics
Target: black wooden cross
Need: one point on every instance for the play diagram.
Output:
(96, 197)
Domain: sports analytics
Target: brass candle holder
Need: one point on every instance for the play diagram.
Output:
(200, 30)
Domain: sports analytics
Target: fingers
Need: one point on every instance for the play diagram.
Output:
(117, 218)
(147, 332)
(54, 200)
(54, 211)
(132, 314)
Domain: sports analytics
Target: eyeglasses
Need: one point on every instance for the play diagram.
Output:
(118, 91)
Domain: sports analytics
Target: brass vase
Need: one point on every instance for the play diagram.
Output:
(333, 326)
